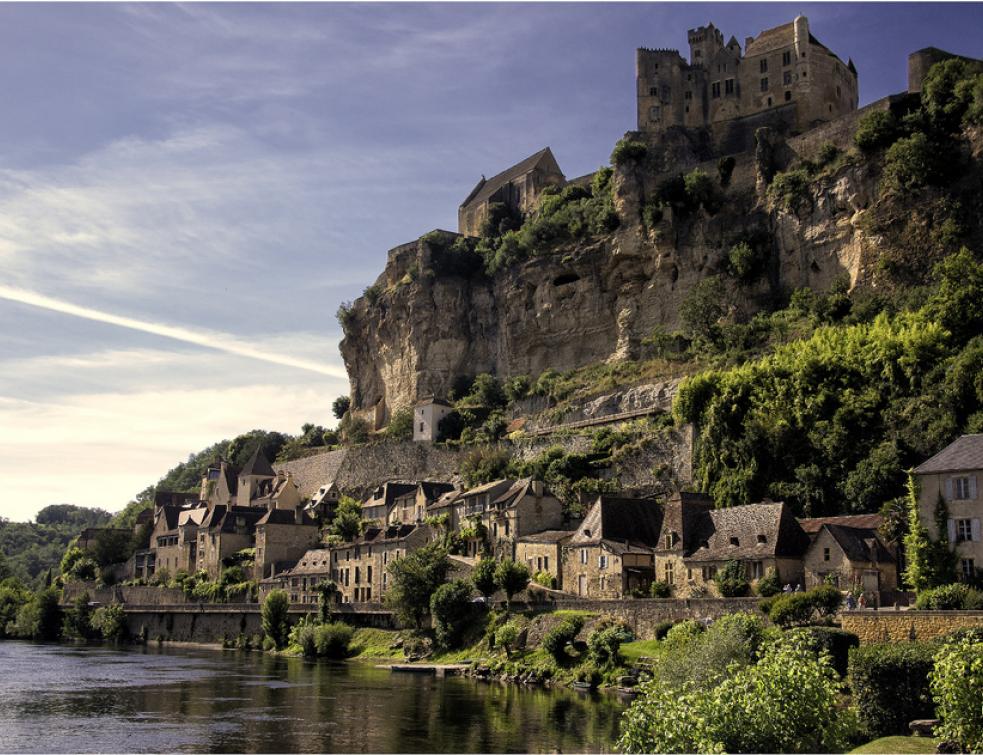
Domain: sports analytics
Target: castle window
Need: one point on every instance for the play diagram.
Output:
(653, 91)
(669, 572)
(715, 89)
(838, 91)
(787, 79)
(688, 96)
(698, 53)
(687, 108)
(769, 102)
(655, 113)
(805, 74)
(764, 65)
(788, 95)
(803, 53)
(764, 84)
(729, 86)
(786, 58)
(968, 568)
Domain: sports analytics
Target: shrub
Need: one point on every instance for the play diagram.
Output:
(956, 683)
(590, 674)
(555, 640)
(110, 622)
(790, 189)
(791, 610)
(302, 634)
(545, 579)
(912, 162)
(731, 580)
(275, 619)
(876, 130)
(628, 151)
(483, 465)
(332, 640)
(836, 642)
(786, 702)
(684, 632)
(40, 617)
(890, 685)
(604, 644)
(826, 599)
(769, 584)
(662, 629)
(506, 637)
(827, 154)
(517, 388)
(956, 597)
(743, 261)
(660, 590)
(450, 606)
(701, 191)
(703, 307)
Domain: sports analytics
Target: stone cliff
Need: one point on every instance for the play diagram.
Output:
(424, 322)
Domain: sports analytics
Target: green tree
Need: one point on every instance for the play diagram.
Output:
(347, 522)
(956, 683)
(401, 425)
(275, 618)
(326, 592)
(703, 307)
(628, 151)
(732, 581)
(413, 579)
(876, 130)
(786, 702)
(78, 620)
(486, 391)
(450, 606)
(110, 622)
(40, 617)
(12, 599)
(511, 578)
(483, 577)
(928, 563)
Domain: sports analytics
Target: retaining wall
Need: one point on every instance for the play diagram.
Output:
(907, 626)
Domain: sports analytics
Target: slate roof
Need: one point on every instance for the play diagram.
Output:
(257, 465)
(388, 492)
(170, 498)
(859, 544)
(863, 521)
(445, 501)
(635, 521)
(284, 516)
(771, 39)
(782, 534)
(224, 517)
(495, 488)
(486, 187)
(963, 453)
(192, 516)
(547, 537)
(170, 515)
(314, 561)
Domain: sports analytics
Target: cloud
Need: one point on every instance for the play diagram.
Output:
(102, 449)
(207, 339)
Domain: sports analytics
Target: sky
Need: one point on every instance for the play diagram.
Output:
(189, 191)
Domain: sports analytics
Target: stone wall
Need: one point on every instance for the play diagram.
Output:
(141, 596)
(907, 626)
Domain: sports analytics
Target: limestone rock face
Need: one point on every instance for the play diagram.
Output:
(594, 301)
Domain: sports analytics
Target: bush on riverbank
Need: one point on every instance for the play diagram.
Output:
(890, 685)
(956, 683)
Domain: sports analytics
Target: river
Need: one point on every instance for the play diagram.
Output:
(63, 698)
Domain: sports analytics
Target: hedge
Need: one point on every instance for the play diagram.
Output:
(837, 642)
(890, 685)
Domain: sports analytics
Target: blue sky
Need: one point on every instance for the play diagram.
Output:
(236, 171)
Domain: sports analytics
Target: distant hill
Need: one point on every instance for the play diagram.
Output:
(31, 548)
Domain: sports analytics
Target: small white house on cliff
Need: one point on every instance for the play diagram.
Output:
(426, 419)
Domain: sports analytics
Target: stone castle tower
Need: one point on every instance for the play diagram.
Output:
(783, 77)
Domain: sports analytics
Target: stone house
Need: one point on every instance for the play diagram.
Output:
(220, 484)
(411, 507)
(282, 537)
(324, 502)
(377, 507)
(518, 188)
(491, 516)
(300, 581)
(949, 488)
(427, 415)
(359, 568)
(224, 531)
(784, 78)
(542, 553)
(610, 555)
(164, 542)
(696, 541)
(850, 552)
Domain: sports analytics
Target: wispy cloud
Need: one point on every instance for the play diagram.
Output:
(208, 339)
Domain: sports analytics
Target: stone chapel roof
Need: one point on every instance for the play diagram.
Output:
(754, 531)
(623, 521)
(486, 187)
(258, 465)
(963, 453)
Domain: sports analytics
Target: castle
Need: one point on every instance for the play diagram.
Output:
(784, 76)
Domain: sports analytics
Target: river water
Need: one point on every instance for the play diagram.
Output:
(63, 698)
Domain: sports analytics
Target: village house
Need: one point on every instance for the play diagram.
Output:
(542, 553)
(850, 553)
(282, 537)
(517, 188)
(491, 516)
(324, 503)
(301, 580)
(427, 415)
(377, 506)
(223, 532)
(760, 536)
(411, 507)
(359, 568)
(948, 488)
(610, 555)
(219, 484)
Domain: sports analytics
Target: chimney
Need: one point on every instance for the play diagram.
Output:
(537, 488)
(747, 42)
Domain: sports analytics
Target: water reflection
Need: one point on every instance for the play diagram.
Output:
(68, 699)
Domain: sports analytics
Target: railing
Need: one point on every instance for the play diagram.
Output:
(603, 420)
